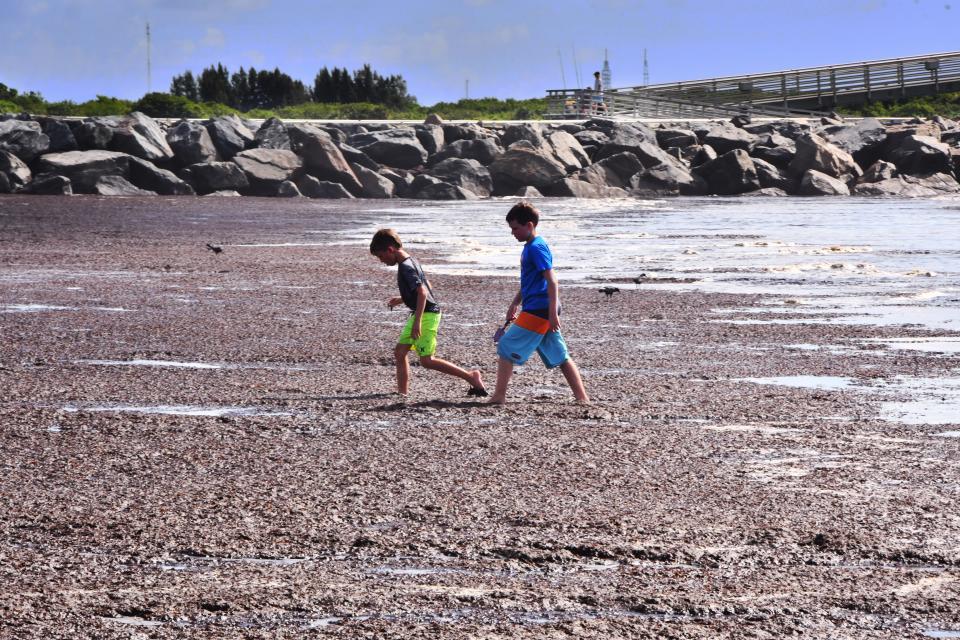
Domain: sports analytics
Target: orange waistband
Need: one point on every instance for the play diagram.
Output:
(533, 323)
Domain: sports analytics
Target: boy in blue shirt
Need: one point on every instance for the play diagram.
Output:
(420, 331)
(537, 327)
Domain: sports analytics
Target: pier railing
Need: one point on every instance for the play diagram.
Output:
(806, 91)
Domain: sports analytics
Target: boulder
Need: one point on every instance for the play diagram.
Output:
(355, 156)
(523, 165)
(905, 186)
(321, 157)
(401, 180)
(433, 119)
(816, 183)
(528, 192)
(146, 176)
(774, 192)
(725, 137)
(647, 152)
(16, 174)
(864, 140)
(85, 168)
(374, 184)
(770, 176)
(667, 138)
(117, 186)
(780, 157)
(226, 193)
(628, 136)
(813, 152)
(394, 147)
(897, 133)
(469, 174)
(568, 150)
(191, 143)
(430, 136)
(614, 171)
(313, 188)
(288, 189)
(272, 134)
(444, 191)
(730, 173)
(60, 134)
(95, 133)
(921, 155)
(216, 176)
(592, 138)
(668, 179)
(879, 171)
(483, 151)
(529, 131)
(230, 135)
(573, 188)
(336, 133)
(454, 132)
(266, 169)
(704, 155)
(49, 184)
(23, 139)
(140, 136)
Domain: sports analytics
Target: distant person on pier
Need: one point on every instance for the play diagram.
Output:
(599, 106)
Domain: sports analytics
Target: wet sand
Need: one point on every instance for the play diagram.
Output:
(273, 486)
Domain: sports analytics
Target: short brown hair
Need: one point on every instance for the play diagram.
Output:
(383, 239)
(524, 212)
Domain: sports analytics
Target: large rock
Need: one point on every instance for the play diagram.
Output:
(592, 138)
(140, 136)
(905, 186)
(483, 151)
(206, 177)
(730, 174)
(230, 136)
(864, 140)
(430, 136)
(524, 165)
(469, 174)
(85, 168)
(628, 136)
(191, 143)
(815, 183)
(23, 138)
(16, 174)
(95, 133)
(668, 179)
(313, 188)
(321, 157)
(770, 176)
(879, 171)
(614, 171)
(813, 152)
(357, 157)
(272, 134)
(780, 157)
(266, 169)
(573, 188)
(568, 150)
(374, 184)
(49, 184)
(60, 135)
(725, 137)
(288, 189)
(667, 138)
(897, 133)
(394, 147)
(117, 186)
(530, 131)
(647, 152)
(147, 176)
(444, 191)
(454, 132)
(921, 155)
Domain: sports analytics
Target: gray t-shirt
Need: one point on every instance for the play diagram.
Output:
(409, 278)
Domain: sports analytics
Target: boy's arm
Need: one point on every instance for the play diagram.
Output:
(553, 293)
(418, 313)
(514, 307)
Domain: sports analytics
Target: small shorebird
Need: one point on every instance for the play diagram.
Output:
(608, 291)
(215, 248)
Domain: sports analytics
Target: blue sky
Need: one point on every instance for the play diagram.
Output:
(76, 49)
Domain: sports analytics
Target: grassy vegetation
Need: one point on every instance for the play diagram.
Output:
(945, 104)
(164, 105)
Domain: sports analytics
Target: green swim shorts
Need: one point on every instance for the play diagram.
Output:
(426, 345)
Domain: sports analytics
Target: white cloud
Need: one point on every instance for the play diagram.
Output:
(213, 38)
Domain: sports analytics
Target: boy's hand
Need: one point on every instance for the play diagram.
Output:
(512, 312)
(415, 331)
(394, 301)
(554, 321)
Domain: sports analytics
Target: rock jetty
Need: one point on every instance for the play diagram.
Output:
(599, 158)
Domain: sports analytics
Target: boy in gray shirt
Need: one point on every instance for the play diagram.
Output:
(420, 331)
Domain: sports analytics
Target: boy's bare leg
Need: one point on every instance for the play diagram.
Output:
(403, 368)
(437, 364)
(572, 374)
(504, 371)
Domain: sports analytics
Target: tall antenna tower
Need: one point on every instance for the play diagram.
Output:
(606, 75)
(149, 71)
(646, 69)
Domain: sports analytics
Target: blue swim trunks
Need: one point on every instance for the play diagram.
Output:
(530, 333)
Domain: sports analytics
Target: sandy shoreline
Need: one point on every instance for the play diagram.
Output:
(685, 503)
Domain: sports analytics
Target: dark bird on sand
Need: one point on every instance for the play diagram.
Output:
(215, 248)
(640, 278)
(608, 291)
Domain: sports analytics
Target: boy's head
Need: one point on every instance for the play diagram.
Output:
(386, 245)
(523, 219)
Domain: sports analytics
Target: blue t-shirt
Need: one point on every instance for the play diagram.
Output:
(535, 259)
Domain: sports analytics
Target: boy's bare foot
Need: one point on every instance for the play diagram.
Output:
(476, 384)
(496, 400)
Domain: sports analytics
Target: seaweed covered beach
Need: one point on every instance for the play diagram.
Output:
(200, 444)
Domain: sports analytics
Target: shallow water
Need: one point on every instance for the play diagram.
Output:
(863, 260)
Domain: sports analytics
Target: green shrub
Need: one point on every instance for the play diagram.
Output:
(164, 105)
(9, 107)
